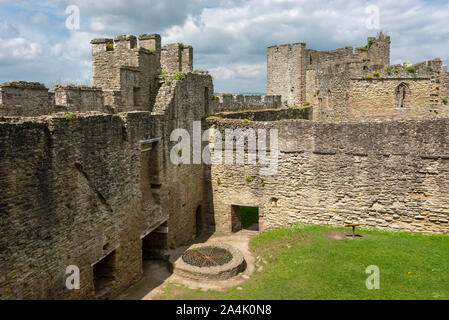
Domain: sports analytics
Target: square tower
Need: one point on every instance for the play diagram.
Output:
(286, 72)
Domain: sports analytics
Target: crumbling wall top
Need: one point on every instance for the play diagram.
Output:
(24, 85)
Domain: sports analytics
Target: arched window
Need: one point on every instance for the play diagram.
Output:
(402, 95)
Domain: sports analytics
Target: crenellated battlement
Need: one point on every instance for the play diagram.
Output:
(225, 102)
(20, 98)
(125, 72)
(357, 83)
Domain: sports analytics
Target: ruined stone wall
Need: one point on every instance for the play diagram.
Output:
(377, 99)
(72, 198)
(27, 99)
(171, 58)
(74, 191)
(127, 71)
(176, 57)
(389, 175)
(286, 72)
(183, 102)
(79, 98)
(269, 115)
(238, 102)
(288, 66)
(354, 91)
(187, 59)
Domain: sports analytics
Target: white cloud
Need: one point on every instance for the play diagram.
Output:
(229, 37)
(19, 49)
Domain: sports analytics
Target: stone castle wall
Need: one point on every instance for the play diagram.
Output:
(76, 191)
(353, 85)
(389, 175)
(286, 72)
(225, 102)
(90, 187)
(19, 98)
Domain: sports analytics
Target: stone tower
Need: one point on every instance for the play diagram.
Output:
(288, 65)
(126, 72)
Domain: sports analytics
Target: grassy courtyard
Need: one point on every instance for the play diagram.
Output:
(306, 262)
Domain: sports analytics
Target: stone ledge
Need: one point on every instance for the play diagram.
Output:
(24, 85)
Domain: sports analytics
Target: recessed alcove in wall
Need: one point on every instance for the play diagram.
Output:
(154, 243)
(105, 273)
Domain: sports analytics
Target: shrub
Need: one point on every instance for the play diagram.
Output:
(181, 45)
(179, 76)
(377, 74)
(306, 104)
(69, 115)
(411, 69)
(218, 181)
(249, 179)
(109, 46)
(246, 120)
(371, 42)
(369, 77)
(429, 68)
(444, 100)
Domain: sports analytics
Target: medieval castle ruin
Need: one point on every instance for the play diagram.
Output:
(86, 176)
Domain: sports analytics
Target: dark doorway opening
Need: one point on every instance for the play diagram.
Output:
(154, 244)
(244, 218)
(198, 221)
(104, 274)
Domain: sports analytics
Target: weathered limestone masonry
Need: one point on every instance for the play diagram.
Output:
(19, 98)
(96, 189)
(350, 84)
(87, 180)
(390, 175)
(79, 98)
(177, 58)
(224, 102)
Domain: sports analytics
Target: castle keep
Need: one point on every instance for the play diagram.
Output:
(350, 84)
(86, 177)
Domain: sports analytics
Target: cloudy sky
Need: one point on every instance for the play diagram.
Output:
(229, 37)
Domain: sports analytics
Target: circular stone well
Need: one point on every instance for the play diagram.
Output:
(214, 261)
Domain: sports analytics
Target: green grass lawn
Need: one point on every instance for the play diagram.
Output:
(303, 263)
(249, 215)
